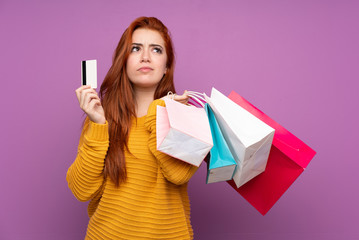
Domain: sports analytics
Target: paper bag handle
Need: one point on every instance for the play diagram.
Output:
(197, 97)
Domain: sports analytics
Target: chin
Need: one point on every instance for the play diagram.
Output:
(145, 83)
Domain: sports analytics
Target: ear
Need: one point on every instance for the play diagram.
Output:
(165, 70)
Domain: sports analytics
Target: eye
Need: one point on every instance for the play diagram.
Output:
(157, 50)
(135, 49)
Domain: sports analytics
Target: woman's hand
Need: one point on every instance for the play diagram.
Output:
(90, 103)
(182, 98)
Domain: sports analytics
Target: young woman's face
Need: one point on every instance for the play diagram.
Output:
(146, 63)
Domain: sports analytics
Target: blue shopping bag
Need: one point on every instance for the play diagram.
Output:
(221, 165)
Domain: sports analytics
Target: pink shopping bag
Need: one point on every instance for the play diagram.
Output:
(288, 158)
(183, 132)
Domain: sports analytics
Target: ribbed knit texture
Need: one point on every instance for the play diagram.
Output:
(151, 204)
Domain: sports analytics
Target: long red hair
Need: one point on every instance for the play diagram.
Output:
(117, 95)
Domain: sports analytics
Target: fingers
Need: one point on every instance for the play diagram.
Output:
(93, 103)
(87, 100)
(80, 89)
(182, 98)
(85, 95)
(90, 103)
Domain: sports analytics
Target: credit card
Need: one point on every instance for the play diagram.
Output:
(89, 73)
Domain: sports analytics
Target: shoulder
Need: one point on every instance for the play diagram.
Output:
(153, 106)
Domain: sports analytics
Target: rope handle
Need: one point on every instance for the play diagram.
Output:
(171, 95)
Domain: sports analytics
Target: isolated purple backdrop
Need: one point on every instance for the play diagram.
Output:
(297, 61)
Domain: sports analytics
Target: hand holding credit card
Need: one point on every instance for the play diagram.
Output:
(89, 73)
(87, 96)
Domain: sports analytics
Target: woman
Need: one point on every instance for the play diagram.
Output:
(136, 192)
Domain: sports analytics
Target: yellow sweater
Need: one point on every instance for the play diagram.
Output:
(152, 203)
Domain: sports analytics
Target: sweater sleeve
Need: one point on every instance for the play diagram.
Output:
(85, 175)
(174, 170)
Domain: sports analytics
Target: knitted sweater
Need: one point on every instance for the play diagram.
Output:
(151, 204)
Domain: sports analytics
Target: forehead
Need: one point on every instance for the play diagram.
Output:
(147, 36)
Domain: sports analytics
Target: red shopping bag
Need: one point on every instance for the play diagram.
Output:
(288, 158)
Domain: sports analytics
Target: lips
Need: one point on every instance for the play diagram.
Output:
(145, 69)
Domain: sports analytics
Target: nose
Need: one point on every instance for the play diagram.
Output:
(145, 56)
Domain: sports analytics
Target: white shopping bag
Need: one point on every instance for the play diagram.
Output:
(248, 138)
(183, 132)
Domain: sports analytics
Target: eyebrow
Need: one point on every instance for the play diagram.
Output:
(151, 45)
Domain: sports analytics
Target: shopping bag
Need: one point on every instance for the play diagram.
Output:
(288, 158)
(221, 163)
(183, 131)
(248, 138)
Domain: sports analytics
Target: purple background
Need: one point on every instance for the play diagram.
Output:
(297, 61)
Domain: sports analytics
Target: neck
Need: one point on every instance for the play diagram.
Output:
(144, 97)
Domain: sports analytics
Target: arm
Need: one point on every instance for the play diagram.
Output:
(85, 175)
(174, 170)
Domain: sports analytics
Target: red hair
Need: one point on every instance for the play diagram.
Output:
(118, 99)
